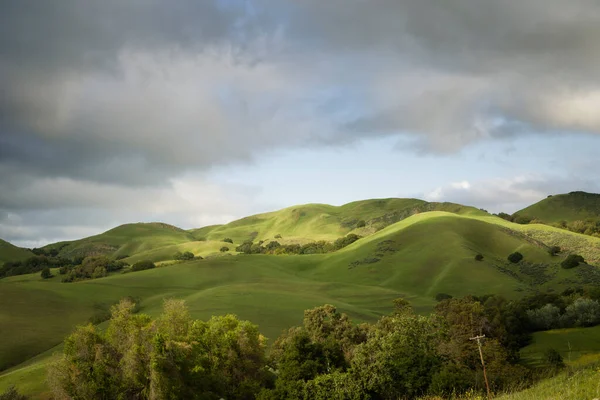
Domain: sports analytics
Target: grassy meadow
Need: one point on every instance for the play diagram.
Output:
(410, 249)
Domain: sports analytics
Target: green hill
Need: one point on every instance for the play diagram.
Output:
(10, 252)
(564, 209)
(416, 258)
(304, 223)
(125, 240)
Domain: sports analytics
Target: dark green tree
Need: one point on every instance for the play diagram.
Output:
(46, 273)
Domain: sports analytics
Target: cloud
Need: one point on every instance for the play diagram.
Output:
(509, 194)
(102, 101)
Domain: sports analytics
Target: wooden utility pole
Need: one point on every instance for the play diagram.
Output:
(487, 385)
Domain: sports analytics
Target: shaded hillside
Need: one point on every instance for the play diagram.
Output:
(10, 252)
(564, 207)
(125, 240)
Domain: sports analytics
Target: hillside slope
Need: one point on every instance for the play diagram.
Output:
(416, 258)
(10, 252)
(125, 240)
(570, 207)
(304, 223)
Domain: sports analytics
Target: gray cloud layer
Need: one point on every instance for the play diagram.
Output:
(103, 95)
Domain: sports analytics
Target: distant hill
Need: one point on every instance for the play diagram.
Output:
(125, 240)
(308, 222)
(10, 252)
(576, 211)
(564, 207)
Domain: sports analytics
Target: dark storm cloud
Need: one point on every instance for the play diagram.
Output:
(102, 98)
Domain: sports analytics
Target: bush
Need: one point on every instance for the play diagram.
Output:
(442, 296)
(224, 249)
(515, 257)
(361, 224)
(553, 358)
(572, 261)
(554, 250)
(228, 240)
(12, 394)
(143, 265)
(278, 236)
(479, 257)
(46, 273)
(188, 255)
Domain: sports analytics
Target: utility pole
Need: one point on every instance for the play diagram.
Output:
(487, 385)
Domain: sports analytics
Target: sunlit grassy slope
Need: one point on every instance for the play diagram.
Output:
(416, 258)
(10, 252)
(125, 240)
(578, 385)
(565, 207)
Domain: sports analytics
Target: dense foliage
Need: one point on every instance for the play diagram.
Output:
(185, 256)
(572, 261)
(172, 357)
(91, 268)
(274, 247)
(515, 257)
(35, 264)
(401, 356)
(142, 265)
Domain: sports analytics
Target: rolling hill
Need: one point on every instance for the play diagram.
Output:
(10, 252)
(410, 249)
(125, 240)
(570, 207)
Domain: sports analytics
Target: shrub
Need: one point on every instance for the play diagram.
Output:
(224, 249)
(188, 255)
(515, 257)
(278, 236)
(442, 296)
(479, 257)
(228, 240)
(553, 358)
(46, 273)
(361, 224)
(12, 394)
(572, 261)
(143, 265)
(554, 250)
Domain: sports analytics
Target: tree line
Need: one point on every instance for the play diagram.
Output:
(401, 356)
(318, 247)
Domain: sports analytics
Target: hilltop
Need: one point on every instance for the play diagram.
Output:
(10, 252)
(576, 211)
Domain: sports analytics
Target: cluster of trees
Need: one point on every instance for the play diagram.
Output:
(185, 256)
(275, 247)
(587, 227)
(571, 308)
(35, 264)
(91, 268)
(402, 355)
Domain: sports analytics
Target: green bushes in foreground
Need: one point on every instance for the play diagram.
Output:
(403, 355)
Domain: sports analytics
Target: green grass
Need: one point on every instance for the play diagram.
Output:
(415, 258)
(10, 252)
(577, 346)
(579, 385)
(411, 249)
(565, 207)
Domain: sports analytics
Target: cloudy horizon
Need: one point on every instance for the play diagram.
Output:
(200, 112)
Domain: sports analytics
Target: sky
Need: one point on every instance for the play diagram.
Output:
(198, 112)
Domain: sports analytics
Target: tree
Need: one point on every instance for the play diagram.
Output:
(228, 240)
(553, 358)
(172, 357)
(442, 296)
(224, 249)
(143, 265)
(361, 224)
(583, 312)
(515, 257)
(12, 394)
(572, 261)
(554, 250)
(46, 273)
(479, 257)
(547, 317)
